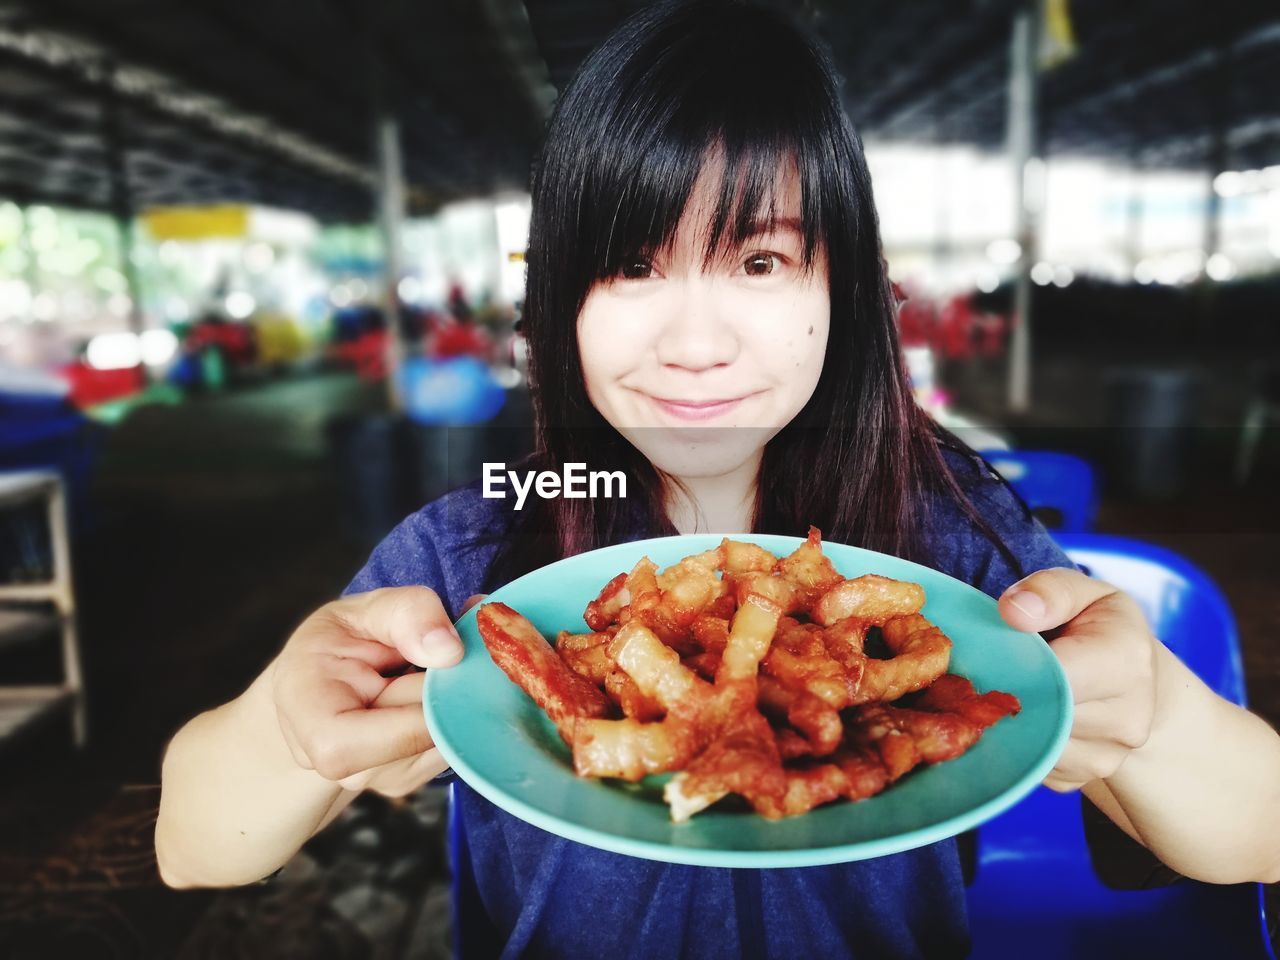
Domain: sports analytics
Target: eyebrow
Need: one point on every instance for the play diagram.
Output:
(758, 227)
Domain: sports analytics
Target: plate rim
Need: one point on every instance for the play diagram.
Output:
(776, 858)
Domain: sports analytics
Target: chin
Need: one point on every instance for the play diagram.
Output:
(700, 451)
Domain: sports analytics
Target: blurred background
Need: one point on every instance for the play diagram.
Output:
(261, 270)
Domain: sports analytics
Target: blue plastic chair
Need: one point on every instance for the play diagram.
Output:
(1051, 481)
(1035, 893)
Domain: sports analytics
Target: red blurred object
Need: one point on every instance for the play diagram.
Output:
(90, 385)
(991, 331)
(957, 331)
(459, 340)
(235, 340)
(367, 353)
(956, 325)
(918, 322)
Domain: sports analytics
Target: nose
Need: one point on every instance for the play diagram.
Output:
(697, 334)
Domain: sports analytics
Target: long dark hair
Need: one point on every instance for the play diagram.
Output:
(623, 149)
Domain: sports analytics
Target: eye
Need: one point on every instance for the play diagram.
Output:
(759, 264)
(636, 268)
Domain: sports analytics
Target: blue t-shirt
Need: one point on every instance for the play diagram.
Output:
(545, 896)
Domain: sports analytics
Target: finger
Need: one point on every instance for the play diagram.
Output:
(420, 770)
(1062, 785)
(1107, 652)
(473, 600)
(1082, 762)
(382, 659)
(410, 619)
(363, 739)
(366, 681)
(1050, 598)
(402, 691)
(399, 778)
(328, 719)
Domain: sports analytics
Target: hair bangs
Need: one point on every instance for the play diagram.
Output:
(745, 118)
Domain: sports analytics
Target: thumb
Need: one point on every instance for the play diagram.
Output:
(1050, 598)
(410, 619)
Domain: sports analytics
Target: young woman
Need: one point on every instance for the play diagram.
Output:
(708, 311)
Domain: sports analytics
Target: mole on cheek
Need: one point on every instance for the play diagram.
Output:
(811, 331)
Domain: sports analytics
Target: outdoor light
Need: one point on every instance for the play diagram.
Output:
(158, 347)
(1004, 251)
(1042, 274)
(110, 279)
(1220, 267)
(239, 304)
(15, 298)
(44, 307)
(44, 237)
(410, 289)
(114, 351)
(176, 308)
(259, 257)
(1228, 183)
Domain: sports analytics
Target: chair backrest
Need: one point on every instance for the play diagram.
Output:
(1035, 888)
(1051, 481)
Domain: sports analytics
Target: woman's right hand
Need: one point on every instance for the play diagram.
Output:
(347, 697)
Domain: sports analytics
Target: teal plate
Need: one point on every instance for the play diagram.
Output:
(502, 745)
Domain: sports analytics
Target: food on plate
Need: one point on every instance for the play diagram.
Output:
(775, 679)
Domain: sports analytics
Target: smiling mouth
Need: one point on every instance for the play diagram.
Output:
(697, 410)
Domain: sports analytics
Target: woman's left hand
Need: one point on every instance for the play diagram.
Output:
(1106, 648)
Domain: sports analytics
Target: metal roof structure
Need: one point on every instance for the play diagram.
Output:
(1152, 81)
(271, 101)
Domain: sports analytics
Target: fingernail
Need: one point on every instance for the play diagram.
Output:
(442, 643)
(1027, 603)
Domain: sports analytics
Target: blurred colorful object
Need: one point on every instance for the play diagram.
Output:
(90, 386)
(197, 223)
(451, 392)
(280, 338)
(367, 353)
(462, 338)
(235, 341)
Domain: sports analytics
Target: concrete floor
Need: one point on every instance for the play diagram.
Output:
(216, 532)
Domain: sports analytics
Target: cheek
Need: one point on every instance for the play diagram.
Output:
(793, 345)
(605, 347)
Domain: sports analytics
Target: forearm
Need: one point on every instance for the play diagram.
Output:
(234, 804)
(1203, 793)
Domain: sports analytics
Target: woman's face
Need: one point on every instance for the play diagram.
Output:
(699, 367)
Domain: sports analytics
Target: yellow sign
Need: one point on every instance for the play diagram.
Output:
(197, 223)
(1058, 39)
